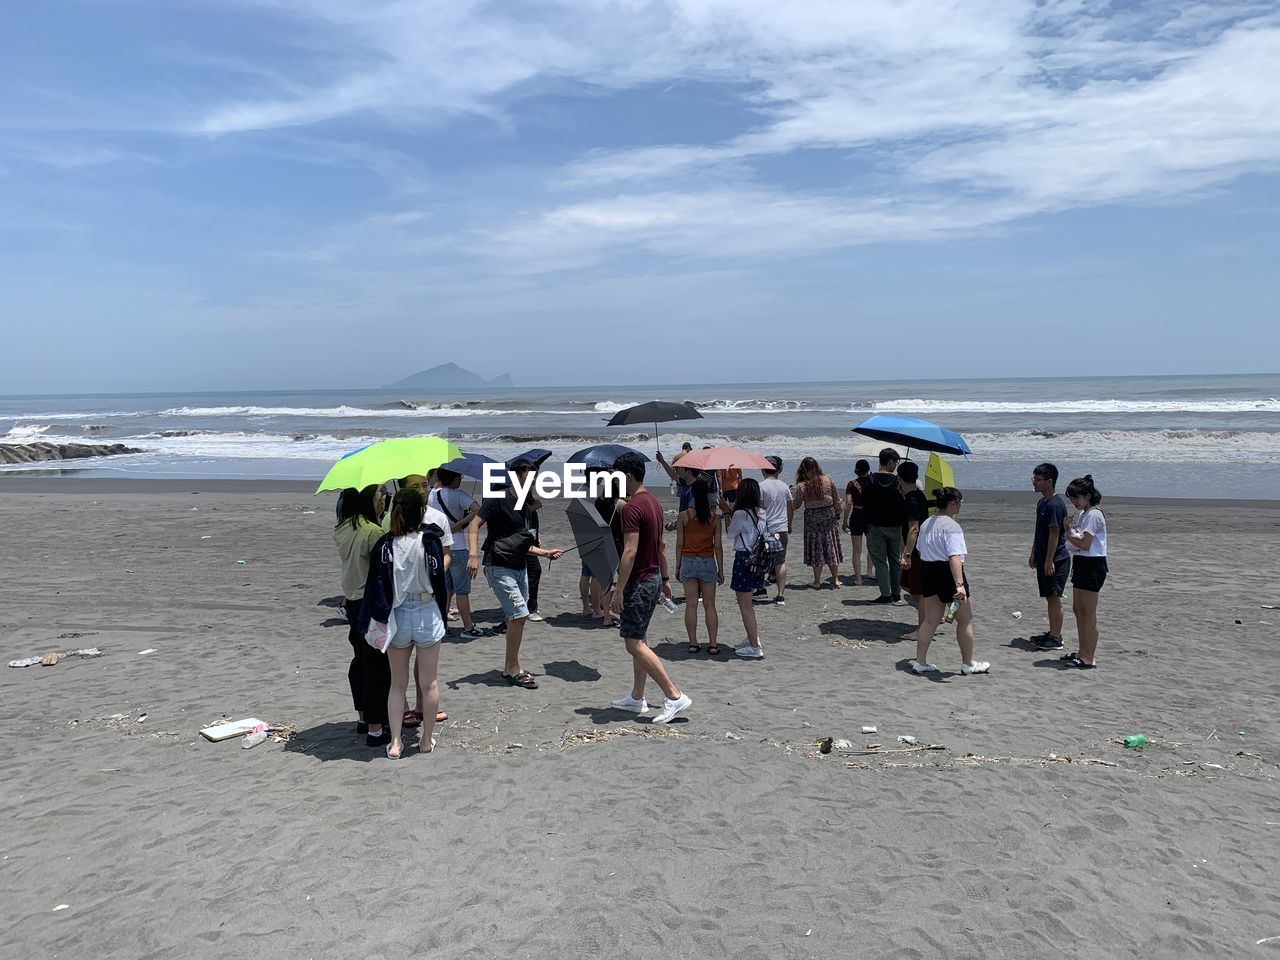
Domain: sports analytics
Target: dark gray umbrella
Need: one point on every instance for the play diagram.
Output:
(655, 412)
(593, 539)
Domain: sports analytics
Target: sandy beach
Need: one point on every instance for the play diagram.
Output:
(548, 825)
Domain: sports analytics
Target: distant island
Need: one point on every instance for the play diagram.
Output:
(448, 376)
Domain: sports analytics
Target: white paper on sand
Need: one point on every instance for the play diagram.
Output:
(232, 728)
(32, 661)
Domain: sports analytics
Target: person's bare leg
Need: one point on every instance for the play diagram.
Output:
(515, 633)
(964, 632)
(1055, 616)
(464, 611)
(1084, 604)
(817, 575)
(835, 575)
(748, 610)
(932, 617)
(710, 613)
(780, 574)
(417, 681)
(399, 659)
(691, 612)
(915, 634)
(638, 677)
(584, 594)
(428, 661)
(647, 664)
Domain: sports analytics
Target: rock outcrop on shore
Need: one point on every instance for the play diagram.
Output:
(41, 452)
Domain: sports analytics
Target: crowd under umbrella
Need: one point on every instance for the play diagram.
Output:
(602, 456)
(913, 434)
(593, 539)
(655, 412)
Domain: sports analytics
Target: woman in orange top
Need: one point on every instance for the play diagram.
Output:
(700, 564)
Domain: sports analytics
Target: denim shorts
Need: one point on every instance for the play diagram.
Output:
(511, 587)
(639, 600)
(459, 579)
(418, 623)
(698, 568)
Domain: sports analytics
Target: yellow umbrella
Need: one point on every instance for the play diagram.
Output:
(937, 474)
(388, 460)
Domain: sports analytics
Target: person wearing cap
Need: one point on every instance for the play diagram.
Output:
(779, 513)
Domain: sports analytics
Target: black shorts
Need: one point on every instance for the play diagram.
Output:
(1056, 585)
(857, 522)
(1089, 573)
(936, 580)
(639, 600)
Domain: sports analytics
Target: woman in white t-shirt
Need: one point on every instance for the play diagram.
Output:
(1086, 537)
(942, 577)
(746, 526)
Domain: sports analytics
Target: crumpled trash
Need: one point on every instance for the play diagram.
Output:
(52, 658)
(1017, 614)
(908, 740)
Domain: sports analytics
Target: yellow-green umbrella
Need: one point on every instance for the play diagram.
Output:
(388, 460)
(937, 474)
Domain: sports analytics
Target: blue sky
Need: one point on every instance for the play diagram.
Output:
(205, 194)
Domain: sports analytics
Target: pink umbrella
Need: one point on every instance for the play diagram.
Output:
(723, 458)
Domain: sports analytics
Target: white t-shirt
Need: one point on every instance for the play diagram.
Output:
(776, 495)
(459, 502)
(1091, 521)
(408, 563)
(744, 531)
(940, 539)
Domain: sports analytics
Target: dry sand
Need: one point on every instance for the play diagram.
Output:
(546, 825)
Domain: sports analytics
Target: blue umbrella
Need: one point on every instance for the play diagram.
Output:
(913, 433)
(536, 456)
(470, 465)
(602, 455)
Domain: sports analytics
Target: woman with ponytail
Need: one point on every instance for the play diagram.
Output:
(1086, 537)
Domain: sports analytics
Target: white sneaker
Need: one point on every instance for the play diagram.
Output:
(749, 652)
(672, 707)
(978, 666)
(631, 703)
(535, 618)
(924, 667)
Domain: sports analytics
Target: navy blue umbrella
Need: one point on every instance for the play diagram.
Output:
(536, 456)
(470, 465)
(913, 434)
(602, 455)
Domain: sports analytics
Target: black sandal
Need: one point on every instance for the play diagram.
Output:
(713, 649)
(522, 679)
(695, 648)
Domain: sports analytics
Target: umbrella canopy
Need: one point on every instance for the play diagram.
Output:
(470, 465)
(593, 539)
(602, 455)
(388, 460)
(937, 474)
(723, 458)
(536, 456)
(655, 412)
(913, 433)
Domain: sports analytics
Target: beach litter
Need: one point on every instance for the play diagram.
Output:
(67, 906)
(228, 729)
(578, 737)
(1135, 740)
(869, 728)
(1017, 614)
(255, 737)
(825, 745)
(53, 658)
(240, 562)
(908, 740)
(842, 745)
(143, 653)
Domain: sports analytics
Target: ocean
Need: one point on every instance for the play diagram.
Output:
(1198, 437)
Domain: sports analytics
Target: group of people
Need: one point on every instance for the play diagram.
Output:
(407, 561)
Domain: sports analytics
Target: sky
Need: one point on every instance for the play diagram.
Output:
(257, 194)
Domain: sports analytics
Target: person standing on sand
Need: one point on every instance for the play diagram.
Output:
(700, 565)
(406, 602)
(886, 514)
(642, 576)
(356, 534)
(779, 515)
(459, 508)
(854, 521)
(942, 552)
(1049, 557)
(746, 527)
(507, 545)
(1086, 538)
(821, 500)
(916, 509)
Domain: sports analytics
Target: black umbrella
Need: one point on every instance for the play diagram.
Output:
(655, 412)
(594, 540)
(602, 455)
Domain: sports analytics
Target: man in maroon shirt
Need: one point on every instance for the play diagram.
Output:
(642, 574)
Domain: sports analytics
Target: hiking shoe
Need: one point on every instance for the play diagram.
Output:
(978, 666)
(672, 707)
(631, 704)
(924, 667)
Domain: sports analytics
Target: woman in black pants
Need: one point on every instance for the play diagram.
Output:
(370, 673)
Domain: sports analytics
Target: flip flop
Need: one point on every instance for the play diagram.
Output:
(522, 679)
(441, 716)
(411, 718)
